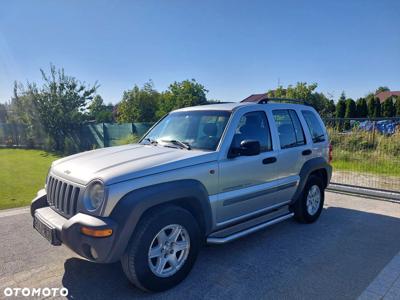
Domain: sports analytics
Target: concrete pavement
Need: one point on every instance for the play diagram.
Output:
(338, 257)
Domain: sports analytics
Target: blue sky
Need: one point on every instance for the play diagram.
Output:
(234, 48)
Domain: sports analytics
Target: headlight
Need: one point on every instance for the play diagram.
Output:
(95, 195)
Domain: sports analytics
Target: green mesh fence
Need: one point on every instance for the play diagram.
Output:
(88, 136)
(20, 135)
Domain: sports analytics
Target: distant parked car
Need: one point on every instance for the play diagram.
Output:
(210, 173)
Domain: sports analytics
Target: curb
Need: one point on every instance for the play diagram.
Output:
(14, 211)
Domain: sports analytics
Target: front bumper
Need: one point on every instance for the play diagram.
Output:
(68, 231)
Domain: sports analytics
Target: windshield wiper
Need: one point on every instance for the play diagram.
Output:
(178, 143)
(151, 141)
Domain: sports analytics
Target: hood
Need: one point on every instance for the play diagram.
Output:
(115, 164)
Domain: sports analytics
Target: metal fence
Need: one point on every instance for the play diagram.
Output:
(366, 153)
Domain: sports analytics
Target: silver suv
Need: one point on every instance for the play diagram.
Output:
(210, 173)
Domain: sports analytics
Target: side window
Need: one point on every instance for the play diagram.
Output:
(253, 126)
(313, 124)
(300, 138)
(289, 128)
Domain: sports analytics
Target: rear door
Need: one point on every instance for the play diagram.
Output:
(317, 134)
(294, 150)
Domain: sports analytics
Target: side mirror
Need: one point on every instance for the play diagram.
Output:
(247, 148)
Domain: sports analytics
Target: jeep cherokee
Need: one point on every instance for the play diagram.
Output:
(211, 173)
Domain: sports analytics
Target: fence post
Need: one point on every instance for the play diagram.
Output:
(105, 139)
(373, 133)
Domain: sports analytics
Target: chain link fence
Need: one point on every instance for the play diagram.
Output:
(366, 152)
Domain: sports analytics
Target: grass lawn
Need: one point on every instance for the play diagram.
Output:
(366, 162)
(22, 174)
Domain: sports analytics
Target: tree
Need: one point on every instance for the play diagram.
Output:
(378, 109)
(350, 109)
(99, 112)
(398, 106)
(371, 105)
(341, 108)
(388, 108)
(382, 89)
(96, 105)
(3, 113)
(139, 104)
(106, 115)
(23, 111)
(304, 91)
(350, 112)
(182, 94)
(342, 96)
(60, 102)
(330, 109)
(361, 108)
(301, 90)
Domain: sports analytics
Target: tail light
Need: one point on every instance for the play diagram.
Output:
(330, 153)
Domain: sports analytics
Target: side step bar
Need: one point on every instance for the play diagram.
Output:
(229, 238)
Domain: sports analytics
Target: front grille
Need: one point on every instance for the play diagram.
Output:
(62, 196)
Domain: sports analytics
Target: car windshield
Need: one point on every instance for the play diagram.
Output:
(189, 130)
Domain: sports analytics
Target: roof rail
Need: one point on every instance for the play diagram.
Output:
(284, 100)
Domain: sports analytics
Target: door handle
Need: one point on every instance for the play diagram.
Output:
(306, 152)
(269, 160)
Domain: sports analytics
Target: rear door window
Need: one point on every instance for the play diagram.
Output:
(290, 132)
(313, 124)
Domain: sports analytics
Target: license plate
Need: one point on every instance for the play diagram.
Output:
(48, 232)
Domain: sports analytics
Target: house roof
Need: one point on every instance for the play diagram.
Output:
(384, 95)
(255, 98)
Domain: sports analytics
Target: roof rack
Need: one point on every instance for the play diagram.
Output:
(284, 100)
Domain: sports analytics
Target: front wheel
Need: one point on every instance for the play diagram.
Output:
(309, 206)
(163, 249)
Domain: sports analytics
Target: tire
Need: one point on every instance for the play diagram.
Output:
(310, 213)
(144, 272)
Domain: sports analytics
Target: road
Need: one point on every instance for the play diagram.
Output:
(335, 258)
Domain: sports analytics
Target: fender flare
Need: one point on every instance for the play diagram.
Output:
(310, 166)
(136, 203)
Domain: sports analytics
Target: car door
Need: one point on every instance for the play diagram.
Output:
(292, 142)
(245, 181)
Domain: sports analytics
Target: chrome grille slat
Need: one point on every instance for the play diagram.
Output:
(57, 195)
(74, 195)
(66, 199)
(52, 190)
(62, 196)
(49, 189)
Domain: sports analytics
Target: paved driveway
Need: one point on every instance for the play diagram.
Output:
(334, 258)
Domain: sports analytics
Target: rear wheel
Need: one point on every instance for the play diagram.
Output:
(163, 249)
(309, 206)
